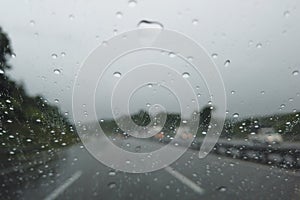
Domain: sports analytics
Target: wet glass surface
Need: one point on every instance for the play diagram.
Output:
(148, 100)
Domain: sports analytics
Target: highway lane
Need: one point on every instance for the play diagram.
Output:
(77, 175)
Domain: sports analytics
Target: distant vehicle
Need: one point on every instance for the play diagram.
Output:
(159, 135)
(266, 136)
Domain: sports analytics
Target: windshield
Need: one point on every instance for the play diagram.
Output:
(141, 99)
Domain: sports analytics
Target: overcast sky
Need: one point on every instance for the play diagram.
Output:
(260, 38)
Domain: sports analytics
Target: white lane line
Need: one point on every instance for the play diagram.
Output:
(185, 180)
(64, 186)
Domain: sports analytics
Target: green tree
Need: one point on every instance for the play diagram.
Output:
(142, 118)
(205, 117)
(5, 50)
(28, 121)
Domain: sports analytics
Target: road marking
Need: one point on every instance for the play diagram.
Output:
(185, 180)
(64, 186)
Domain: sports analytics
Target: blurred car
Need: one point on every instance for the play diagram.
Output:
(266, 136)
(159, 136)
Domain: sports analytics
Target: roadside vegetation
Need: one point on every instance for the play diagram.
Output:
(27, 123)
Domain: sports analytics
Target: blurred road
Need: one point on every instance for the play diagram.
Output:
(77, 175)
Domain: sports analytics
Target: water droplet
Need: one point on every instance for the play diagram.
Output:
(250, 43)
(282, 105)
(284, 32)
(296, 72)
(28, 140)
(235, 115)
(56, 71)
(56, 100)
(112, 185)
(286, 13)
(222, 189)
(185, 75)
(148, 104)
(104, 43)
(71, 17)
(150, 24)
(119, 15)
(172, 55)
(184, 121)
(195, 21)
(38, 120)
(232, 92)
(190, 58)
(115, 31)
(259, 45)
(13, 55)
(54, 56)
(226, 63)
(127, 162)
(112, 173)
(32, 22)
(117, 74)
(150, 85)
(214, 55)
(1, 71)
(138, 148)
(132, 3)
(63, 54)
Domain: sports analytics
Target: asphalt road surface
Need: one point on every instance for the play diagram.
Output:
(75, 174)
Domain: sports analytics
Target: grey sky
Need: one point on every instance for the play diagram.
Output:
(234, 30)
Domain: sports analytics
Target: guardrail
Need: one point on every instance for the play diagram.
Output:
(275, 155)
(284, 155)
